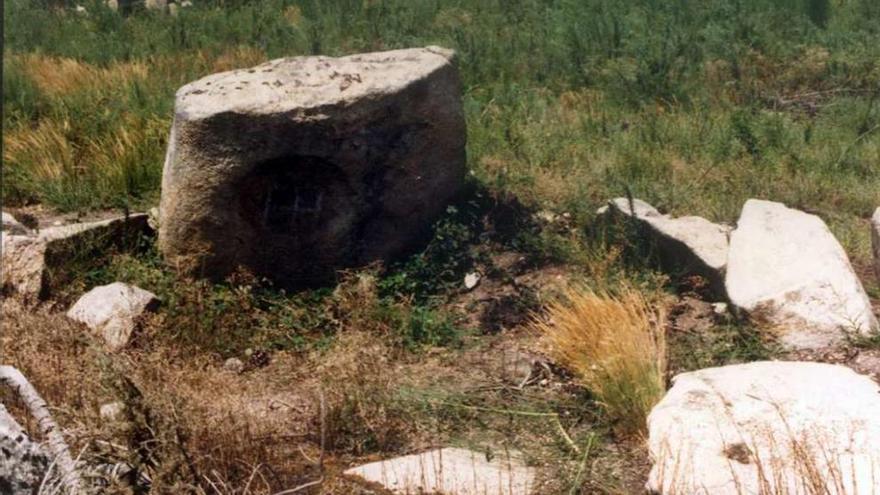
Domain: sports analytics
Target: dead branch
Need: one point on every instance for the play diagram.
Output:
(38, 408)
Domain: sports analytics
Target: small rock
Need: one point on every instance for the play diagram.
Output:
(471, 280)
(687, 245)
(875, 241)
(11, 226)
(23, 462)
(719, 308)
(234, 365)
(733, 429)
(786, 270)
(451, 471)
(28, 262)
(546, 216)
(113, 311)
(112, 411)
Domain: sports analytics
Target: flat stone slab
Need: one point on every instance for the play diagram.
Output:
(28, 261)
(299, 167)
(767, 427)
(113, 311)
(450, 471)
(875, 241)
(788, 272)
(688, 245)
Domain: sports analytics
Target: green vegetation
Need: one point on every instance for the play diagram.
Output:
(691, 105)
(694, 106)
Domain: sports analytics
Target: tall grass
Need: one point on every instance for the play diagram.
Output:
(615, 346)
(692, 105)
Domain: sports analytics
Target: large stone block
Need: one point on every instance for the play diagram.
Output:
(301, 166)
(786, 270)
(767, 427)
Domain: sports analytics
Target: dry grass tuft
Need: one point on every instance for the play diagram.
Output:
(615, 346)
(56, 76)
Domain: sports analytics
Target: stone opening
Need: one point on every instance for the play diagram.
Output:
(303, 209)
(294, 195)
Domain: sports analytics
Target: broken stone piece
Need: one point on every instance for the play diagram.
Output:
(301, 166)
(450, 471)
(767, 427)
(28, 264)
(23, 462)
(788, 272)
(687, 245)
(113, 311)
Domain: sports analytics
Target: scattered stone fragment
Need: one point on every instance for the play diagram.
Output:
(767, 427)
(113, 311)
(11, 226)
(234, 365)
(450, 471)
(687, 245)
(325, 163)
(471, 280)
(23, 462)
(27, 263)
(875, 241)
(112, 411)
(720, 308)
(787, 271)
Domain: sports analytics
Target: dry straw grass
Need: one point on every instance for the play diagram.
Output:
(55, 76)
(615, 346)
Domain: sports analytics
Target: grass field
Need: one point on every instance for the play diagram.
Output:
(691, 105)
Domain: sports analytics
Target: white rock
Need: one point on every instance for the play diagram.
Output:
(234, 365)
(787, 270)
(27, 262)
(471, 280)
(112, 411)
(450, 471)
(11, 226)
(722, 430)
(299, 167)
(113, 311)
(691, 245)
(23, 462)
(719, 308)
(875, 241)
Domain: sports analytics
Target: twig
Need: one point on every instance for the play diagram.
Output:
(40, 411)
(301, 487)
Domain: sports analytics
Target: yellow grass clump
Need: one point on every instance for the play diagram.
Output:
(614, 345)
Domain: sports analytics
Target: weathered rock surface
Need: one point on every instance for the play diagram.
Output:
(688, 245)
(763, 428)
(786, 270)
(875, 241)
(300, 166)
(23, 462)
(29, 263)
(450, 471)
(113, 311)
(11, 226)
